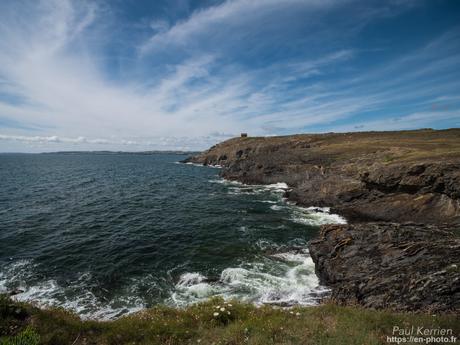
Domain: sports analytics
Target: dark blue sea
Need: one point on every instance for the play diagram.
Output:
(108, 234)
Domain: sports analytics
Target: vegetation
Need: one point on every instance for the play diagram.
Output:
(27, 337)
(213, 322)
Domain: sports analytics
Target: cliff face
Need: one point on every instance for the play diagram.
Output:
(379, 176)
(386, 265)
(383, 177)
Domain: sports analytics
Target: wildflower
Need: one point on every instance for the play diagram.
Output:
(291, 312)
(222, 309)
(215, 314)
(228, 313)
(229, 305)
(297, 314)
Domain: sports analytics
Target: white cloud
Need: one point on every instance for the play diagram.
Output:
(422, 119)
(231, 13)
(54, 73)
(51, 139)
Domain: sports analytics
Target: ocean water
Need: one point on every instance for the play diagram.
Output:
(108, 234)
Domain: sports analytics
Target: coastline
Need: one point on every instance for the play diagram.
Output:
(382, 183)
(354, 260)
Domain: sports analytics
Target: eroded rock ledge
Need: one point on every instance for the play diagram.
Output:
(387, 265)
(384, 177)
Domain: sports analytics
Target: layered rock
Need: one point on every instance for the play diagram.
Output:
(387, 265)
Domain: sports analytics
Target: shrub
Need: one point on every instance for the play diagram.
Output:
(26, 337)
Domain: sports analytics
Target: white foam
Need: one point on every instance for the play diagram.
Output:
(191, 287)
(279, 185)
(238, 188)
(216, 166)
(276, 207)
(312, 216)
(194, 164)
(189, 279)
(226, 182)
(315, 216)
(75, 297)
(283, 279)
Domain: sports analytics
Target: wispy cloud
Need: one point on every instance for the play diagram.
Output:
(410, 121)
(264, 67)
(229, 15)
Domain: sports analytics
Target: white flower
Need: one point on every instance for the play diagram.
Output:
(215, 314)
(291, 312)
(222, 309)
(229, 305)
(297, 314)
(218, 307)
(228, 313)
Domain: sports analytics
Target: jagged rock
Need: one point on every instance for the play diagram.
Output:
(387, 265)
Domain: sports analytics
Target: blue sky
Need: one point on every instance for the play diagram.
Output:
(180, 74)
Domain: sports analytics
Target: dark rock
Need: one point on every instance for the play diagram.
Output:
(16, 291)
(389, 265)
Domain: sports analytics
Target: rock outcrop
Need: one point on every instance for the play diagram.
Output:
(386, 265)
(393, 177)
(369, 176)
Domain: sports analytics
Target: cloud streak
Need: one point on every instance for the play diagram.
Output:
(218, 70)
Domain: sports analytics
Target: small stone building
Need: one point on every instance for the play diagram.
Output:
(244, 135)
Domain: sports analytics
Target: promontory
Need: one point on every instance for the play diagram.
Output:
(400, 193)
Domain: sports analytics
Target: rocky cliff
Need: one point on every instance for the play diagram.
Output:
(385, 177)
(387, 265)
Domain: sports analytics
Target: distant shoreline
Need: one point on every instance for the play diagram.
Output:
(104, 153)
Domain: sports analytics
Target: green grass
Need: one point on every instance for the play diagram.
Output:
(246, 324)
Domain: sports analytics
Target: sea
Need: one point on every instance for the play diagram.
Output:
(105, 235)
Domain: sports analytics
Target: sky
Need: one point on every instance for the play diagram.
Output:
(136, 75)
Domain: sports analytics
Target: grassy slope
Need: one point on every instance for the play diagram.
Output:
(384, 147)
(326, 324)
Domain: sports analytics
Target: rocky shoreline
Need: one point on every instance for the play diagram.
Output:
(400, 192)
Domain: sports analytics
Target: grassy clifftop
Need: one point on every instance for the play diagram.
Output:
(369, 176)
(246, 324)
(339, 148)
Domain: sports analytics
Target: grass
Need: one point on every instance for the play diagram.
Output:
(246, 324)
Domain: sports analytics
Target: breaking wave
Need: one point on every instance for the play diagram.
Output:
(282, 279)
(75, 296)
